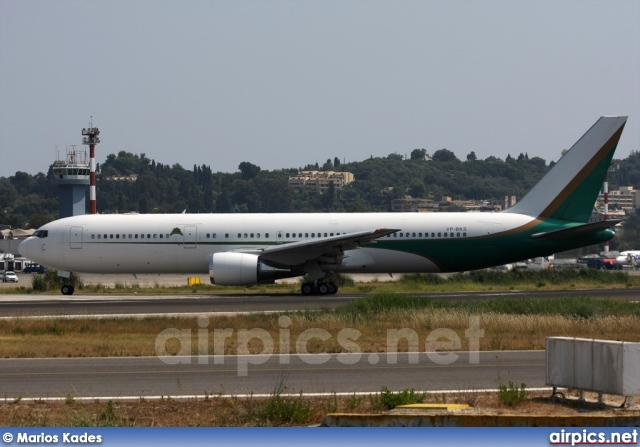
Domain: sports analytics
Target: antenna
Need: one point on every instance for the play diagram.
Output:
(91, 139)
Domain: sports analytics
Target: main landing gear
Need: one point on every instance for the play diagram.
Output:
(319, 288)
(67, 289)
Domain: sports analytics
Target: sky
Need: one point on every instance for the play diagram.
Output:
(283, 84)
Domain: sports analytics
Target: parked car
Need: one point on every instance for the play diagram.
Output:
(9, 277)
(34, 268)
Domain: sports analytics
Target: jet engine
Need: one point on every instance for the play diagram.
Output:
(239, 269)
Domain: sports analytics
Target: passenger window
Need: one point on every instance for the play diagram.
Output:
(457, 234)
(414, 235)
(266, 235)
(258, 235)
(155, 236)
(464, 234)
(160, 236)
(439, 234)
(136, 236)
(213, 235)
(433, 235)
(117, 236)
(142, 236)
(226, 235)
(251, 235)
(93, 236)
(287, 234)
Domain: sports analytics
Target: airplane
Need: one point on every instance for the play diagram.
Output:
(630, 257)
(245, 249)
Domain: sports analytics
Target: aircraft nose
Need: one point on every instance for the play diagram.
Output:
(23, 248)
(621, 260)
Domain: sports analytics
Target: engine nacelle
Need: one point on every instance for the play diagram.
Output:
(242, 269)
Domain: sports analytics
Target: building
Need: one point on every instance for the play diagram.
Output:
(320, 181)
(625, 198)
(410, 205)
(71, 176)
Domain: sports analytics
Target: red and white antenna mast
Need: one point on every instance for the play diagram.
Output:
(91, 139)
(606, 202)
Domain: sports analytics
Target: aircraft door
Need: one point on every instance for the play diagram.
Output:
(75, 237)
(190, 233)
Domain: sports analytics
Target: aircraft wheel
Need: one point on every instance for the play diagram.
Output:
(67, 289)
(333, 289)
(307, 288)
(323, 288)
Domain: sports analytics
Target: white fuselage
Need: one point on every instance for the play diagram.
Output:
(145, 244)
(631, 257)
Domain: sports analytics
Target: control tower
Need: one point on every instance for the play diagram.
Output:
(72, 176)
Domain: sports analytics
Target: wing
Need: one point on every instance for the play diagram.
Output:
(333, 247)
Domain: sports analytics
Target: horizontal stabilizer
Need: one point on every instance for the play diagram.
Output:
(579, 231)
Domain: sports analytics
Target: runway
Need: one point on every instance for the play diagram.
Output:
(144, 305)
(201, 375)
(153, 377)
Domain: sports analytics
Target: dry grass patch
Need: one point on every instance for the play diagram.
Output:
(232, 411)
(313, 332)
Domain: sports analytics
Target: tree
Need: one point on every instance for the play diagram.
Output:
(444, 155)
(417, 189)
(418, 154)
(471, 156)
(328, 166)
(336, 162)
(249, 170)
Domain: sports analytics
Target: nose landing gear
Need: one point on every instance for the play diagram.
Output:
(67, 289)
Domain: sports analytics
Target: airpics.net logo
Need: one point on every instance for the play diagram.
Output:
(590, 437)
(257, 345)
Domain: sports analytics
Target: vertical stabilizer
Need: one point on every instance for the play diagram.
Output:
(570, 189)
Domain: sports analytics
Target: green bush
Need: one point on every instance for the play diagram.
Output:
(512, 395)
(279, 410)
(389, 399)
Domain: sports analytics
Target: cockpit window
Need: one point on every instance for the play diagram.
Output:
(41, 233)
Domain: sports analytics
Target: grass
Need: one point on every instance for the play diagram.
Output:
(381, 323)
(481, 280)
